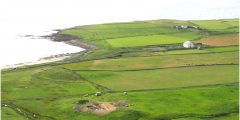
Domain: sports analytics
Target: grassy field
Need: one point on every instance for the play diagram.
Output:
(158, 61)
(151, 40)
(46, 83)
(9, 114)
(224, 49)
(218, 24)
(120, 30)
(163, 80)
(188, 104)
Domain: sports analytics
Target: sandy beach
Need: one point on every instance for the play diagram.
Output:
(40, 61)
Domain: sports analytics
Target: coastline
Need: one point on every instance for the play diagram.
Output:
(57, 37)
(71, 40)
(40, 61)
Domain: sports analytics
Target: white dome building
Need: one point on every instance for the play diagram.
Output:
(188, 44)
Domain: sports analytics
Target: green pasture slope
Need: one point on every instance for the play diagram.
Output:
(164, 81)
(151, 40)
(230, 24)
(9, 114)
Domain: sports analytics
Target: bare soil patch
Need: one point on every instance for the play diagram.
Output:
(99, 108)
(220, 41)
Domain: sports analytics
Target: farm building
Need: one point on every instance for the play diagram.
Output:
(188, 44)
(187, 27)
(98, 94)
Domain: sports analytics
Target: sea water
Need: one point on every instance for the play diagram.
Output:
(22, 43)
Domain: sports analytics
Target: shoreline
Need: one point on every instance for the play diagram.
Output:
(70, 40)
(39, 61)
(57, 37)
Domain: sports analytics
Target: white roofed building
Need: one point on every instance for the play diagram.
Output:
(188, 44)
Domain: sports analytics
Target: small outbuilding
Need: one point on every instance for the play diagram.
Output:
(188, 44)
(98, 94)
(187, 27)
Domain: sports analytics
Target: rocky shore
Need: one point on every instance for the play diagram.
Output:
(71, 40)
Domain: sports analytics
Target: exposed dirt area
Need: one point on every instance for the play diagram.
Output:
(99, 108)
(102, 108)
(220, 41)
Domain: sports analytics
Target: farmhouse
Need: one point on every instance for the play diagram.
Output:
(188, 44)
(187, 27)
(182, 27)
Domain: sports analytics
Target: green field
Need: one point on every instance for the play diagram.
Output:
(158, 61)
(151, 40)
(188, 104)
(224, 49)
(47, 83)
(164, 78)
(120, 30)
(9, 114)
(218, 24)
(146, 59)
